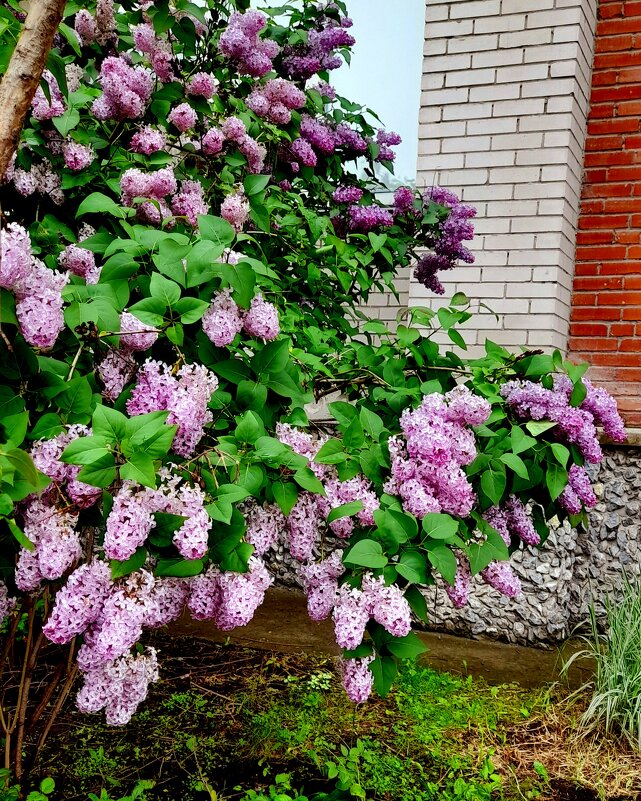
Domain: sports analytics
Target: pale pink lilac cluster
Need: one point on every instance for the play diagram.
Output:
(154, 187)
(125, 90)
(459, 592)
(118, 367)
(427, 461)
(37, 289)
(79, 602)
(320, 583)
(177, 497)
(275, 100)
(44, 109)
(577, 425)
(579, 493)
(513, 519)
(56, 544)
(264, 526)
(190, 202)
(118, 687)
(105, 22)
(119, 624)
(130, 520)
(385, 140)
(338, 493)
(85, 27)
(224, 319)
(41, 178)
(357, 678)
(46, 455)
(186, 397)
(77, 157)
(229, 599)
(234, 130)
(7, 603)
(202, 84)
(447, 245)
(241, 42)
(157, 50)
(355, 607)
(303, 527)
(80, 261)
(148, 140)
(183, 117)
(261, 319)
(235, 209)
(166, 601)
(303, 60)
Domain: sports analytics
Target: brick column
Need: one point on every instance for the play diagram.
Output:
(606, 304)
(504, 107)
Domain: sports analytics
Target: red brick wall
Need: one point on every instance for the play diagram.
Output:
(606, 305)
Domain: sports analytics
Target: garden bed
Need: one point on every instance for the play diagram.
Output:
(225, 719)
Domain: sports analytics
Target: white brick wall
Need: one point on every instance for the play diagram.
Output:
(503, 114)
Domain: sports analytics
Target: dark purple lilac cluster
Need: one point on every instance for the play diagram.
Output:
(302, 61)
(447, 247)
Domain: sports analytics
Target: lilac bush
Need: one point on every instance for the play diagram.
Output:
(187, 237)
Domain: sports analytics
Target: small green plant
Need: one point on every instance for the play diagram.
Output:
(281, 791)
(137, 794)
(616, 687)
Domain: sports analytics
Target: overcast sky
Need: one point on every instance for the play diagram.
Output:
(385, 73)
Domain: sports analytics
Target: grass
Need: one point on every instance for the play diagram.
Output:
(615, 704)
(232, 723)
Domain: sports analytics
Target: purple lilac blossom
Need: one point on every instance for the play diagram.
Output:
(358, 679)
(264, 525)
(15, 256)
(459, 592)
(80, 261)
(39, 305)
(223, 319)
(79, 602)
(240, 42)
(125, 90)
(118, 686)
(501, 576)
(261, 320)
(148, 140)
(77, 156)
(235, 209)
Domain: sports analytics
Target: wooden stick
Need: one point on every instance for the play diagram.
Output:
(23, 74)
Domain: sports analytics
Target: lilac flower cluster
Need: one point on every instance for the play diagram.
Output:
(578, 493)
(224, 319)
(447, 246)
(302, 61)
(362, 219)
(341, 492)
(125, 90)
(85, 27)
(46, 455)
(37, 289)
(80, 261)
(178, 497)
(264, 525)
(56, 544)
(185, 396)
(77, 157)
(576, 425)
(183, 117)
(190, 202)
(427, 461)
(43, 109)
(403, 200)
(148, 140)
(78, 604)
(156, 186)
(459, 592)
(358, 679)
(41, 178)
(118, 687)
(118, 367)
(241, 42)
(320, 582)
(354, 608)
(7, 604)
(275, 100)
(202, 84)
(513, 519)
(157, 50)
(385, 140)
(229, 599)
(347, 194)
(235, 209)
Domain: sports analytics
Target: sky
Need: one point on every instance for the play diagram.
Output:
(385, 73)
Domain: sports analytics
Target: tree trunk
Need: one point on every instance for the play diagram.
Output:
(24, 72)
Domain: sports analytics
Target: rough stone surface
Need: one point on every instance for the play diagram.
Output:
(560, 580)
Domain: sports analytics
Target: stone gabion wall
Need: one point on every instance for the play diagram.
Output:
(573, 569)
